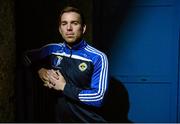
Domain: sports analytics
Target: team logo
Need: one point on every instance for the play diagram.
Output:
(82, 66)
(58, 60)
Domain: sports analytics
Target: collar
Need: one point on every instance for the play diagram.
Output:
(77, 46)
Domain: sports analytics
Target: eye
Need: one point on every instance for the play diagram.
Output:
(76, 23)
(63, 23)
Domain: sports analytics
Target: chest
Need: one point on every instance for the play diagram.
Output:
(76, 71)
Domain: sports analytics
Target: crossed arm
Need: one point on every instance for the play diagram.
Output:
(94, 96)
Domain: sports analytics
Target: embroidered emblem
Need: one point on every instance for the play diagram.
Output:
(82, 66)
(58, 60)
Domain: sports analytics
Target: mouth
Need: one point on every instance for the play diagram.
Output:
(70, 35)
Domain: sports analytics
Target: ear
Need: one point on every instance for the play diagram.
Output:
(60, 29)
(84, 29)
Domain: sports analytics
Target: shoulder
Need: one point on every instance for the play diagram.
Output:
(52, 46)
(95, 53)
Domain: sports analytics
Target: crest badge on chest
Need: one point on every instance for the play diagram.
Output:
(82, 66)
(58, 60)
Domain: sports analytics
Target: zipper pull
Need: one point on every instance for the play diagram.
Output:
(70, 53)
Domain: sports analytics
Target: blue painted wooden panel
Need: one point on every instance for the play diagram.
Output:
(147, 44)
(144, 57)
(177, 8)
(152, 102)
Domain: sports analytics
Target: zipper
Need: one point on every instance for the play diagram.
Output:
(70, 53)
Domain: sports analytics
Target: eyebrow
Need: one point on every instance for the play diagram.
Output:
(71, 21)
(76, 21)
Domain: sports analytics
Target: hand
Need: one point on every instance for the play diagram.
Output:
(44, 76)
(58, 83)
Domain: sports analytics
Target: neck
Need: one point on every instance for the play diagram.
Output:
(70, 45)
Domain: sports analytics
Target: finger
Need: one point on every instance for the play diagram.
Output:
(59, 73)
(50, 85)
(43, 76)
(45, 80)
(53, 73)
(42, 72)
(46, 85)
(52, 79)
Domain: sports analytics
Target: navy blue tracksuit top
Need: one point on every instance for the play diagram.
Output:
(85, 70)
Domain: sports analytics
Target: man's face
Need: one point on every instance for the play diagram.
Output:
(70, 27)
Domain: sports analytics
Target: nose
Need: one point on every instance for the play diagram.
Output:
(69, 27)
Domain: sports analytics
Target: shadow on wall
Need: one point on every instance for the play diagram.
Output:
(116, 105)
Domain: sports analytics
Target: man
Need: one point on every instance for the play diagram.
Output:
(77, 71)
